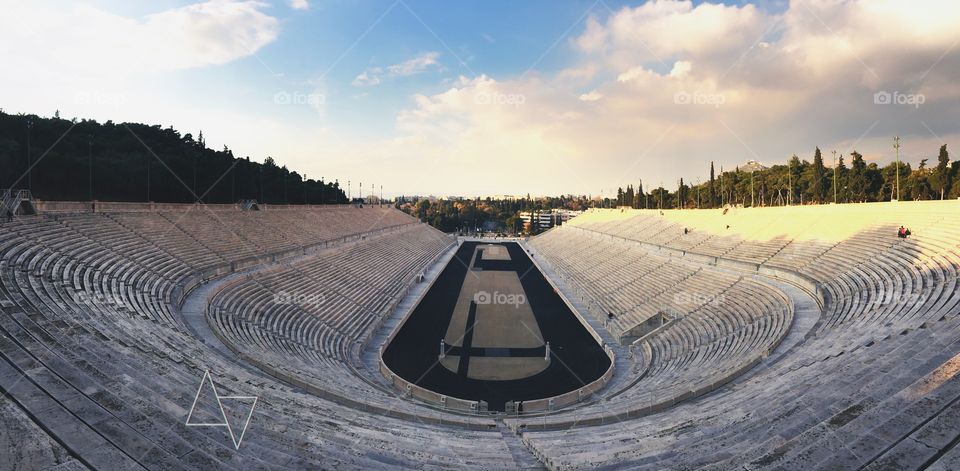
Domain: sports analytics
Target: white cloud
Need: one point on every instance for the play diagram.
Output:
(419, 64)
(680, 69)
(416, 65)
(367, 78)
(86, 41)
(299, 4)
(591, 96)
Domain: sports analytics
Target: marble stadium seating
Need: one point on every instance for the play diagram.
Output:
(807, 337)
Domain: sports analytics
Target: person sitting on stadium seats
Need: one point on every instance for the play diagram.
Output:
(903, 233)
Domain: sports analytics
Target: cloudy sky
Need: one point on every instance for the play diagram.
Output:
(478, 97)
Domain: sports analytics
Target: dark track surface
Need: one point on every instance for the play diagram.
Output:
(576, 360)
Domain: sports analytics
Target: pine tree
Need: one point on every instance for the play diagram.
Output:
(941, 176)
(793, 179)
(713, 188)
(680, 196)
(818, 172)
(843, 189)
(857, 179)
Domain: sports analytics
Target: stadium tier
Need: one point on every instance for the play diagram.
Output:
(873, 384)
(203, 337)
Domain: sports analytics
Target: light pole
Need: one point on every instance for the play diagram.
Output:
(896, 145)
(751, 188)
(834, 176)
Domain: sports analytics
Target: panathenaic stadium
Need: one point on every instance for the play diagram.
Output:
(164, 336)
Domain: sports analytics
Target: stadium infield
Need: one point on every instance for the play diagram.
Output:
(496, 313)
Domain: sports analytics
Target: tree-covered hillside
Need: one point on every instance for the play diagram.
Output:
(139, 162)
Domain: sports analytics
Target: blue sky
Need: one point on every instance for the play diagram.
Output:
(498, 97)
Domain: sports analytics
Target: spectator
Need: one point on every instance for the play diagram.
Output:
(903, 232)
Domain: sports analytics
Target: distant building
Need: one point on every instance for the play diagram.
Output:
(535, 221)
(753, 166)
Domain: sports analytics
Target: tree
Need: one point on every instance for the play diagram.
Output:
(955, 178)
(681, 195)
(918, 182)
(842, 189)
(857, 179)
(795, 170)
(818, 188)
(713, 188)
(941, 176)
